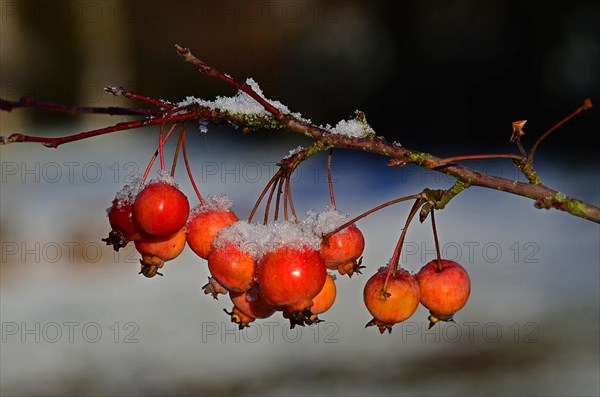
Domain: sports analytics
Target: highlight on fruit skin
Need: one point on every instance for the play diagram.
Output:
(443, 292)
(161, 209)
(393, 304)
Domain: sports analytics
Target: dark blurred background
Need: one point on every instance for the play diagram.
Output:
(442, 76)
(451, 72)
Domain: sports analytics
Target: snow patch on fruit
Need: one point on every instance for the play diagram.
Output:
(128, 193)
(213, 202)
(164, 176)
(323, 222)
(246, 236)
(289, 235)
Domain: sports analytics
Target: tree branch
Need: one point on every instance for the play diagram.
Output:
(326, 139)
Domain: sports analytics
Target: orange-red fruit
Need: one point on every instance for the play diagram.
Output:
(204, 226)
(443, 292)
(344, 246)
(123, 227)
(233, 268)
(248, 307)
(291, 277)
(394, 305)
(324, 299)
(161, 209)
(120, 217)
(251, 303)
(165, 248)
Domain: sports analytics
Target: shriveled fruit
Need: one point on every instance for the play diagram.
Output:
(394, 304)
(443, 292)
(161, 209)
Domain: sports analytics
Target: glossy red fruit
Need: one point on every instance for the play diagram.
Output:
(443, 292)
(393, 305)
(124, 228)
(204, 226)
(232, 267)
(161, 209)
(248, 306)
(345, 246)
(291, 277)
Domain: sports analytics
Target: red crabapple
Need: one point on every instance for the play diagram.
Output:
(248, 306)
(203, 226)
(325, 298)
(161, 209)
(345, 246)
(393, 305)
(289, 278)
(156, 250)
(233, 267)
(443, 292)
(123, 227)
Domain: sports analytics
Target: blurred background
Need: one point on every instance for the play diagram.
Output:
(447, 77)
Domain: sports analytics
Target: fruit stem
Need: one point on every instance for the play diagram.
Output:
(160, 147)
(187, 165)
(262, 194)
(278, 200)
(393, 265)
(437, 243)
(268, 206)
(364, 214)
(329, 179)
(149, 167)
(585, 106)
(289, 195)
(177, 148)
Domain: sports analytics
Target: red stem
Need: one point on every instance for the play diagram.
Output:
(127, 125)
(132, 95)
(448, 160)
(364, 214)
(262, 195)
(393, 265)
(57, 107)
(329, 179)
(586, 105)
(187, 167)
(210, 71)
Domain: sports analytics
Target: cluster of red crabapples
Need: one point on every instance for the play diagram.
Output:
(279, 266)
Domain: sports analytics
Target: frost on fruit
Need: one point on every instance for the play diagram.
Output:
(164, 176)
(247, 236)
(289, 235)
(212, 202)
(128, 193)
(323, 222)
